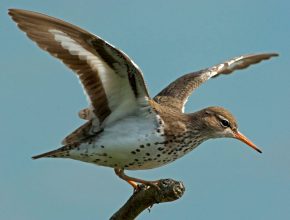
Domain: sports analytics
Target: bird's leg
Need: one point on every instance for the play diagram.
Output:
(132, 180)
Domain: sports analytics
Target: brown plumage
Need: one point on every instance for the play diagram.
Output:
(125, 128)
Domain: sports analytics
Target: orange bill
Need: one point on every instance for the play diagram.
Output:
(244, 139)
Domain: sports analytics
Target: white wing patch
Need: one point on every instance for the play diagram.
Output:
(120, 96)
(75, 49)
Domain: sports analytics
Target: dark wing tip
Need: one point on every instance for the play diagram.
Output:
(14, 11)
(19, 11)
(273, 54)
(11, 10)
(19, 14)
(245, 61)
(266, 56)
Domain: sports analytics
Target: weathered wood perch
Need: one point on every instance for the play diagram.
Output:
(169, 190)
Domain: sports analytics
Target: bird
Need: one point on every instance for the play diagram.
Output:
(124, 128)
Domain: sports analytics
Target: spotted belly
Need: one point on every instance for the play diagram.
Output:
(134, 143)
(134, 152)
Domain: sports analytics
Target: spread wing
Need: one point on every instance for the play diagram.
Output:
(176, 94)
(112, 81)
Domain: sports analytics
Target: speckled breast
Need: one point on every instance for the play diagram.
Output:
(137, 152)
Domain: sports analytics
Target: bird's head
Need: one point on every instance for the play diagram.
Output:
(217, 122)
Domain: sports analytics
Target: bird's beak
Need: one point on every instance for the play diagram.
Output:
(243, 138)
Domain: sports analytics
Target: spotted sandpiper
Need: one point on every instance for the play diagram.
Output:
(125, 129)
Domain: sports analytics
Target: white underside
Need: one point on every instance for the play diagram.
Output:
(127, 135)
(114, 146)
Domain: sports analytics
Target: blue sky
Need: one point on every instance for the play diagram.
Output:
(224, 178)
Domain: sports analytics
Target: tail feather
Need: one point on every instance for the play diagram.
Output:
(60, 152)
(47, 154)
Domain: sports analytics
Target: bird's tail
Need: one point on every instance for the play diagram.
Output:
(60, 152)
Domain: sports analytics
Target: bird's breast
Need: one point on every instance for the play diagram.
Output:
(135, 144)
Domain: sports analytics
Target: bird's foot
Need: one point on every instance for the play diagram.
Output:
(145, 185)
(137, 184)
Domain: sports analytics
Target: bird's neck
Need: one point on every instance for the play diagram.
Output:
(198, 126)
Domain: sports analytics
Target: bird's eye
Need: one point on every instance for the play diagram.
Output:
(225, 123)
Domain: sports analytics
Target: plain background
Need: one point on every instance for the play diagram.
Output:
(224, 179)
